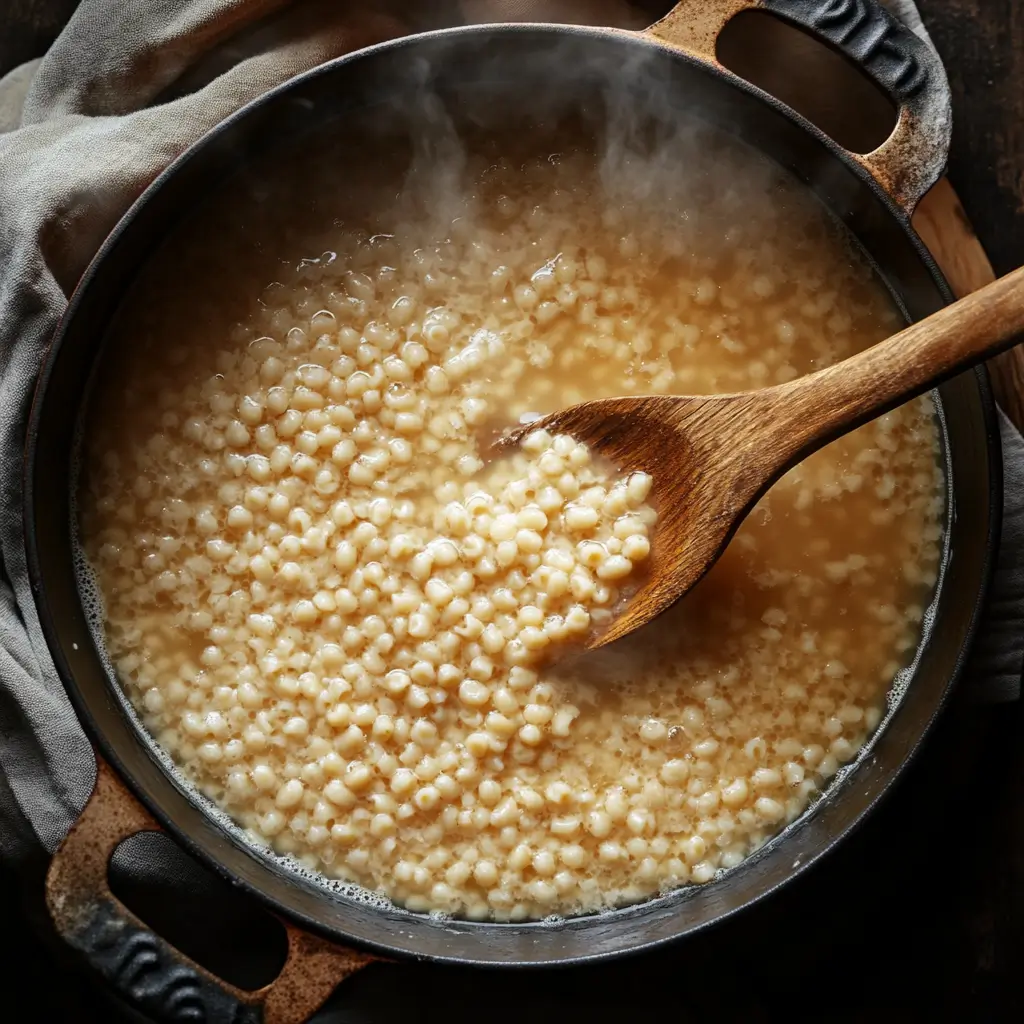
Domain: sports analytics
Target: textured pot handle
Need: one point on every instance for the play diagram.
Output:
(148, 972)
(914, 156)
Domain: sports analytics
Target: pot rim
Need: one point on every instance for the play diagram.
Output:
(272, 902)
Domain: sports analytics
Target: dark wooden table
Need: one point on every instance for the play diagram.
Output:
(919, 917)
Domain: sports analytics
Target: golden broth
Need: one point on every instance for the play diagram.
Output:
(428, 729)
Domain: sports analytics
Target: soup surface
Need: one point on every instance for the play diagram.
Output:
(358, 633)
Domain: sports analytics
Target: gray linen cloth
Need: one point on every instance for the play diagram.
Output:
(122, 92)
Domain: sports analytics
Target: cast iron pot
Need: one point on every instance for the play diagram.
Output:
(479, 69)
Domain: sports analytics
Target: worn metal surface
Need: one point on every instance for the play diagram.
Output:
(149, 972)
(912, 159)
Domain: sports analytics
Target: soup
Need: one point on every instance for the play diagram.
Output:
(358, 632)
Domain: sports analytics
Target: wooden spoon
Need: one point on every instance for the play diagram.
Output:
(712, 457)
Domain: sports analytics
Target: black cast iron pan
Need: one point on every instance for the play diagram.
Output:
(495, 68)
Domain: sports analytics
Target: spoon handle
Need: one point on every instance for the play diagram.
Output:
(812, 410)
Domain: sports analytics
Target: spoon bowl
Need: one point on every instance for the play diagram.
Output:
(711, 458)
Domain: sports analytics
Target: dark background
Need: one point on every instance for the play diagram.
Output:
(919, 917)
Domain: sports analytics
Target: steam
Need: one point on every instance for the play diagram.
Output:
(437, 169)
(535, 88)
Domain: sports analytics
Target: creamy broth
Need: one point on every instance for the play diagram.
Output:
(358, 633)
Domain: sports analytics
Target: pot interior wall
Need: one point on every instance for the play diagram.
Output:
(523, 76)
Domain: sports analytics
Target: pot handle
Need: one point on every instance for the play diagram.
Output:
(148, 972)
(914, 156)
